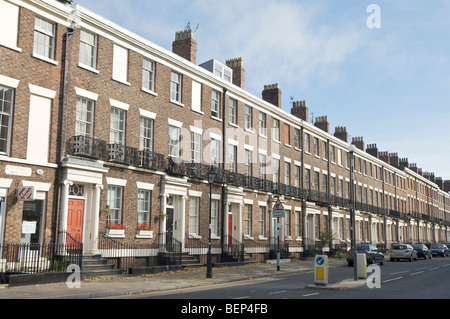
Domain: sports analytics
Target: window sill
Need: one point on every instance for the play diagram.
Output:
(177, 103)
(149, 91)
(197, 111)
(45, 59)
(11, 47)
(122, 82)
(216, 118)
(88, 68)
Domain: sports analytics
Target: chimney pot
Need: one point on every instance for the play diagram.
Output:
(237, 65)
(272, 94)
(185, 45)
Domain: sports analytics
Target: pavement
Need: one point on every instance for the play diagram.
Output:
(111, 287)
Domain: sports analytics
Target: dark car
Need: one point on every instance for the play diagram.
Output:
(439, 250)
(423, 251)
(373, 255)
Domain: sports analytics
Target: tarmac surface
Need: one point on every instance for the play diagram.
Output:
(187, 278)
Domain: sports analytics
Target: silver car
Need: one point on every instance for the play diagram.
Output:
(403, 251)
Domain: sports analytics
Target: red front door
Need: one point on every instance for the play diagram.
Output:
(75, 219)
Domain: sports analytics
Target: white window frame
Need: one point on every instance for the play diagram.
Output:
(176, 80)
(144, 206)
(85, 110)
(148, 75)
(248, 117)
(174, 141)
(233, 111)
(115, 204)
(118, 126)
(215, 152)
(44, 38)
(276, 130)
(194, 213)
(215, 104)
(10, 116)
(196, 147)
(88, 49)
(146, 134)
(262, 124)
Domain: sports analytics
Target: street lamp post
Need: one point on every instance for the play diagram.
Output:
(211, 178)
(352, 150)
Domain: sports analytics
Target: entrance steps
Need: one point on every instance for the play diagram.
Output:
(94, 266)
(190, 261)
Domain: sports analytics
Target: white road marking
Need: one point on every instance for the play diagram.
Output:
(393, 279)
(309, 295)
(416, 273)
(277, 292)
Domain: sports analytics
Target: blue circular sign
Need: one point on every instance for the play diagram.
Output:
(320, 261)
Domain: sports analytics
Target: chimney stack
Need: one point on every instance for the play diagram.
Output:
(359, 143)
(322, 123)
(185, 45)
(403, 163)
(413, 167)
(341, 133)
(372, 149)
(440, 182)
(300, 110)
(394, 160)
(272, 94)
(237, 65)
(447, 186)
(384, 156)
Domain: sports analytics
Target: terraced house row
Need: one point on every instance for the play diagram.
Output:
(108, 138)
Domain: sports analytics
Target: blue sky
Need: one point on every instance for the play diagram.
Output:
(390, 85)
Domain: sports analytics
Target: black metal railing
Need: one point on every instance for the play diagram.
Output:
(232, 249)
(122, 154)
(123, 256)
(20, 258)
(151, 160)
(85, 146)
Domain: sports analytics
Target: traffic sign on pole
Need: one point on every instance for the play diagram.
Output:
(278, 209)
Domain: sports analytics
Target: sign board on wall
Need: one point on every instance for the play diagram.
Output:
(27, 193)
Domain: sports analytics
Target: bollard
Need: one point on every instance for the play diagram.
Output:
(321, 270)
(362, 266)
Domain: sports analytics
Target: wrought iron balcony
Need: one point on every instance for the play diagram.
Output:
(122, 154)
(86, 146)
(151, 160)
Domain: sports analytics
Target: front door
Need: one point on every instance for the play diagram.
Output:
(230, 228)
(169, 227)
(75, 220)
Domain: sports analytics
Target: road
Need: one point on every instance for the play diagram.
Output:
(422, 279)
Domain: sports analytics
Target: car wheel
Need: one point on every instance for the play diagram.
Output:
(382, 261)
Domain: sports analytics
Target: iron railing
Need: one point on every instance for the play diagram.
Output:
(123, 256)
(20, 258)
(85, 146)
(232, 249)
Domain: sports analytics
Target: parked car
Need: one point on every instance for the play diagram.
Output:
(439, 250)
(373, 255)
(422, 251)
(403, 251)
